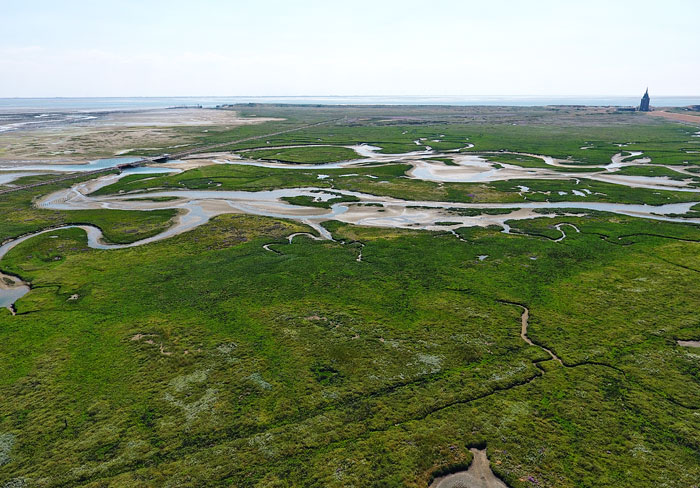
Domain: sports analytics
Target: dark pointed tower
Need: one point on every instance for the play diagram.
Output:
(644, 104)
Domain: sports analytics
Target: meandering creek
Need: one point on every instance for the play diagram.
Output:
(198, 206)
(474, 167)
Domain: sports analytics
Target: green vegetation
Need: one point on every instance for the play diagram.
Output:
(228, 356)
(154, 199)
(591, 190)
(446, 161)
(19, 216)
(518, 160)
(390, 180)
(663, 143)
(308, 155)
(471, 212)
(311, 369)
(29, 179)
(307, 201)
(648, 170)
(532, 162)
(559, 133)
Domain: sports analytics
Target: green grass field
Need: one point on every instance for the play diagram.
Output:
(261, 368)
(228, 356)
(19, 217)
(309, 155)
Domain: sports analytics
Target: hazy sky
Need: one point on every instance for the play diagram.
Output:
(352, 47)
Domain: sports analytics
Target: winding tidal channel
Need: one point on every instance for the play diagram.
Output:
(198, 206)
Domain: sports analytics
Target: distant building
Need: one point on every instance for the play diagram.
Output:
(644, 104)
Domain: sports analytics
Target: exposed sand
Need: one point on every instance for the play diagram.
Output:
(675, 116)
(689, 343)
(399, 215)
(178, 117)
(116, 133)
(479, 475)
(474, 168)
(186, 164)
(73, 144)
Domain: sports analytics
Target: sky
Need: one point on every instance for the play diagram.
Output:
(352, 47)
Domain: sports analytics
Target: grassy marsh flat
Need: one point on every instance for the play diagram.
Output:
(232, 355)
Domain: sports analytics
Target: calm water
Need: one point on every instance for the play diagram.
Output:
(91, 166)
(10, 172)
(127, 103)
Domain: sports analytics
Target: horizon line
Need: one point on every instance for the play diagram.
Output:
(341, 96)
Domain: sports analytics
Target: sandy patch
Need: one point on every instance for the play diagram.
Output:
(116, 132)
(676, 116)
(186, 164)
(178, 117)
(479, 475)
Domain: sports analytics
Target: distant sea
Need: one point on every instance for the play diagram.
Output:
(135, 103)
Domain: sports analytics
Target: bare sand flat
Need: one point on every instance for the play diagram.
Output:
(179, 117)
(187, 164)
(676, 116)
(116, 134)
